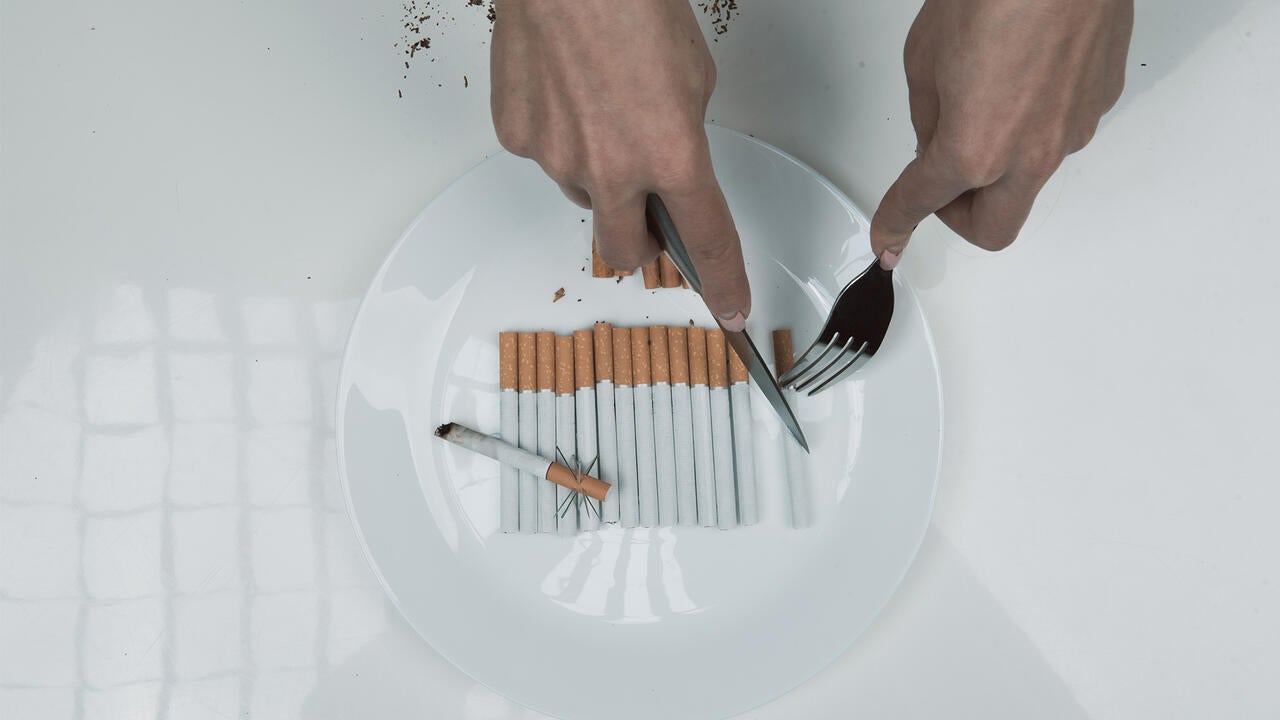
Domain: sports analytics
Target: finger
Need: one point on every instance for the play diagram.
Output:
(991, 217)
(577, 195)
(702, 215)
(618, 221)
(924, 186)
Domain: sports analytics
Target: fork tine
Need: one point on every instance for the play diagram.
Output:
(799, 361)
(799, 370)
(810, 378)
(852, 359)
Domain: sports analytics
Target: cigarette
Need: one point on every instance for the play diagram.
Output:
(743, 456)
(652, 275)
(704, 473)
(682, 425)
(522, 460)
(624, 410)
(607, 438)
(670, 274)
(646, 459)
(585, 400)
(509, 420)
(598, 268)
(721, 430)
(794, 457)
(664, 443)
(546, 342)
(565, 510)
(527, 356)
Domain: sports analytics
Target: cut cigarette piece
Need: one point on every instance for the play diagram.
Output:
(624, 414)
(524, 461)
(589, 513)
(682, 427)
(527, 356)
(794, 459)
(652, 275)
(509, 420)
(565, 509)
(606, 438)
(721, 431)
(670, 274)
(664, 445)
(546, 409)
(704, 475)
(598, 267)
(646, 458)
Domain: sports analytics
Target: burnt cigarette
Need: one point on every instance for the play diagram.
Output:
(646, 459)
(584, 394)
(607, 438)
(669, 273)
(721, 430)
(652, 275)
(664, 443)
(509, 421)
(704, 466)
(565, 509)
(598, 267)
(546, 401)
(682, 426)
(793, 456)
(527, 355)
(522, 460)
(624, 412)
(743, 453)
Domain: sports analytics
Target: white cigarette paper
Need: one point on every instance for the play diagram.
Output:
(722, 452)
(588, 518)
(566, 439)
(646, 461)
(509, 482)
(743, 455)
(607, 440)
(682, 423)
(528, 481)
(665, 452)
(628, 500)
(547, 492)
(704, 473)
(797, 479)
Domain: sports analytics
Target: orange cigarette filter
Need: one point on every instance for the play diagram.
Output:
(584, 371)
(783, 355)
(527, 356)
(678, 343)
(667, 269)
(717, 361)
(508, 366)
(697, 356)
(546, 360)
(564, 477)
(564, 364)
(737, 369)
(659, 354)
(621, 356)
(652, 275)
(640, 356)
(603, 333)
(598, 268)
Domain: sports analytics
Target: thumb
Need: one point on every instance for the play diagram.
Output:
(921, 189)
(706, 226)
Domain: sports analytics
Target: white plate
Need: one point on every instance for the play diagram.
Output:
(647, 623)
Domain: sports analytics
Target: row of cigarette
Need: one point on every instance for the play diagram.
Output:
(661, 413)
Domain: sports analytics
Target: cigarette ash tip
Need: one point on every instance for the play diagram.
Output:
(444, 430)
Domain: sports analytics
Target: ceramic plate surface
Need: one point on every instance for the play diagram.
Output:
(675, 622)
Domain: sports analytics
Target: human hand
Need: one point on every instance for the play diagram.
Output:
(1001, 91)
(609, 98)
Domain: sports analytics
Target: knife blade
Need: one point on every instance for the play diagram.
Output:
(664, 230)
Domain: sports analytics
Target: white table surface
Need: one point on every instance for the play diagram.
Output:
(193, 197)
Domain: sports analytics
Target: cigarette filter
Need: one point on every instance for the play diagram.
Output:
(721, 431)
(670, 274)
(509, 419)
(682, 427)
(565, 509)
(546, 426)
(704, 475)
(652, 276)
(624, 411)
(743, 455)
(598, 267)
(585, 399)
(527, 355)
(664, 445)
(646, 459)
(607, 438)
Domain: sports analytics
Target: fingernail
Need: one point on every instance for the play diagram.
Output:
(733, 322)
(889, 259)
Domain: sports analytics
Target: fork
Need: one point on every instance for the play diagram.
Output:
(854, 330)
